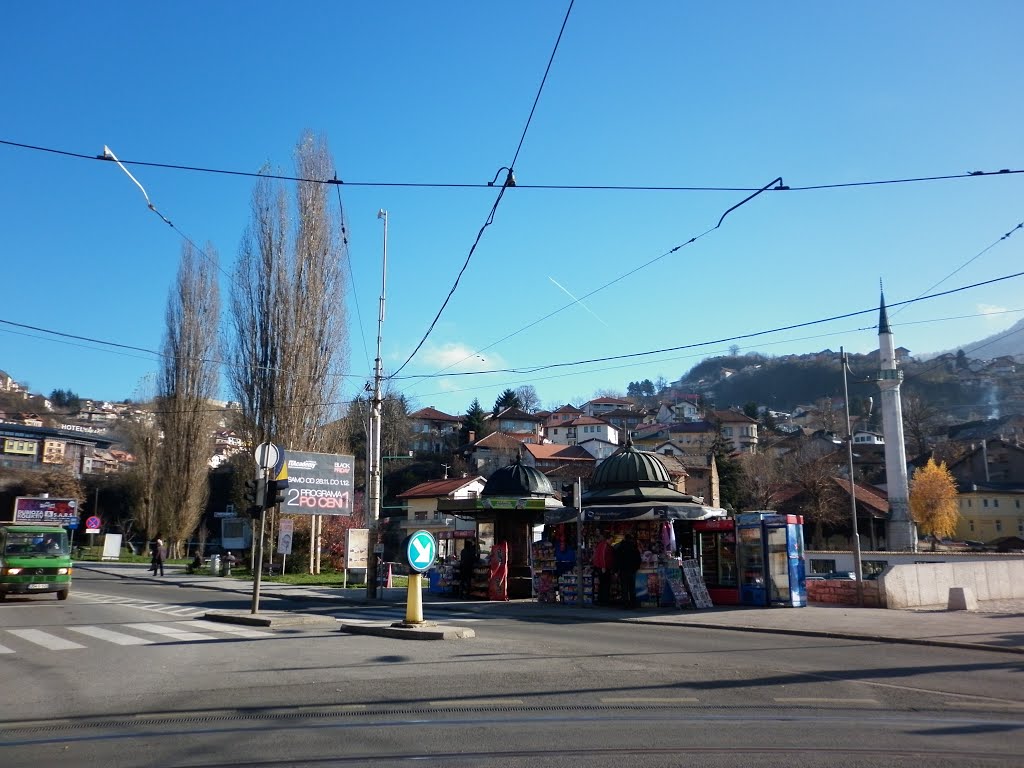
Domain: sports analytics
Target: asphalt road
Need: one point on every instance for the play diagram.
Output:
(128, 674)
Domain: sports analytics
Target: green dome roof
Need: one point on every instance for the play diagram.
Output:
(629, 467)
(629, 475)
(518, 480)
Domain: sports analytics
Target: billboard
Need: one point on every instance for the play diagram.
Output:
(318, 484)
(30, 509)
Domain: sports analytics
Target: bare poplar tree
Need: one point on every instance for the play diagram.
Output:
(288, 341)
(142, 436)
(187, 384)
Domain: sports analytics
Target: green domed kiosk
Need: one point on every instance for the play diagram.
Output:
(514, 501)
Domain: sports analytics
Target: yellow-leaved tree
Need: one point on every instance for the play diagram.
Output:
(933, 501)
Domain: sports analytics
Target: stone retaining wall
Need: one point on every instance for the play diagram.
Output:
(843, 592)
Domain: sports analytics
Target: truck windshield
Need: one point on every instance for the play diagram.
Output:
(27, 544)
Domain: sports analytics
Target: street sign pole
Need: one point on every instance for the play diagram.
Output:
(266, 455)
(420, 553)
(258, 576)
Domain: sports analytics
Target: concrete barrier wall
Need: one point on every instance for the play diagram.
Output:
(842, 592)
(921, 584)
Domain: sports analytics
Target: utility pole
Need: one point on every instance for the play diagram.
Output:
(373, 460)
(857, 568)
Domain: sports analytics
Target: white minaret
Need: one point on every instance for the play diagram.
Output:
(900, 531)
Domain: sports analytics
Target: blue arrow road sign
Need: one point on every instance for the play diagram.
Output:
(420, 551)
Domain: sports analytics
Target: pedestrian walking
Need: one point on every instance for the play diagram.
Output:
(627, 561)
(159, 555)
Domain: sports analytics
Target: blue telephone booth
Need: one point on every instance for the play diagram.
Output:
(771, 559)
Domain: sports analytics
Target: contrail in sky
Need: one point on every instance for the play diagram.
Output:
(577, 300)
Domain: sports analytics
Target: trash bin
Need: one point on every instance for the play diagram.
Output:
(215, 565)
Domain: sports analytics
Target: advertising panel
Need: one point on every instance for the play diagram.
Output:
(357, 541)
(318, 484)
(286, 533)
(30, 509)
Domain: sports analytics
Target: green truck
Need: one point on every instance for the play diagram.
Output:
(34, 558)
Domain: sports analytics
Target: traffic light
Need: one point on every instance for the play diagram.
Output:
(275, 492)
(566, 495)
(255, 492)
(571, 495)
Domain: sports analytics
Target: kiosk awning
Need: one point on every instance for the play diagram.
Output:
(625, 512)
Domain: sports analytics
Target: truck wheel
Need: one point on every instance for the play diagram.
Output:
(63, 594)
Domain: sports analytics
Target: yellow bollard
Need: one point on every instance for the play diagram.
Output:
(414, 600)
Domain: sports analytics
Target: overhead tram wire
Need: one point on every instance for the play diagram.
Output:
(739, 337)
(510, 181)
(973, 258)
(779, 180)
(352, 278)
(554, 187)
(676, 358)
(108, 156)
(776, 181)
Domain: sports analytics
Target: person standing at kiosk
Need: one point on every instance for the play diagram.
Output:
(604, 563)
(627, 561)
(467, 562)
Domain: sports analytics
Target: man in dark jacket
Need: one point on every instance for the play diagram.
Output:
(467, 562)
(627, 562)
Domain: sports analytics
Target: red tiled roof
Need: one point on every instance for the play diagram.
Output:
(871, 497)
(434, 488)
(432, 414)
(553, 452)
(733, 416)
(517, 414)
(567, 408)
(497, 440)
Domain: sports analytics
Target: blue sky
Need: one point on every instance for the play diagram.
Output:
(652, 94)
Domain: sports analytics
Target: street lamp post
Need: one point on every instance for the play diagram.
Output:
(857, 568)
(373, 433)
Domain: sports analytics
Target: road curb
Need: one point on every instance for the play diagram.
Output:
(426, 632)
(859, 636)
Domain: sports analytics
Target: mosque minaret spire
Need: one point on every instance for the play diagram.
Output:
(901, 533)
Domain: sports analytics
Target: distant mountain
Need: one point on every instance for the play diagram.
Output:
(1008, 342)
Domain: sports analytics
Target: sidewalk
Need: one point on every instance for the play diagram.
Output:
(997, 626)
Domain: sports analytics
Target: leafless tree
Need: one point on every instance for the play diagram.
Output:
(763, 479)
(187, 384)
(529, 398)
(812, 469)
(829, 417)
(919, 421)
(142, 438)
(288, 341)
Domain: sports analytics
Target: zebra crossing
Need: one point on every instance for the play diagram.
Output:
(171, 609)
(141, 633)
